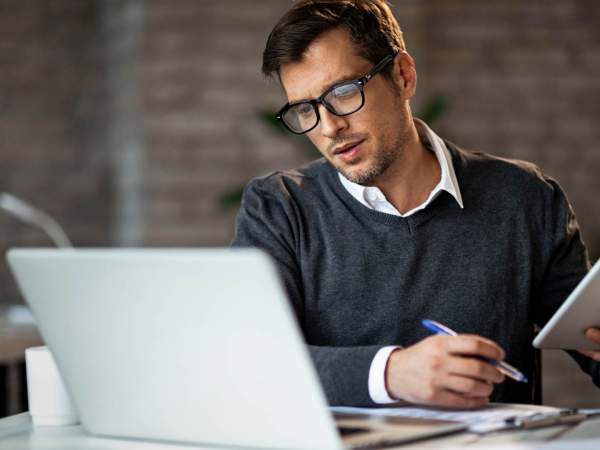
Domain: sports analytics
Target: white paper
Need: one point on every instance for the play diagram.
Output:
(481, 420)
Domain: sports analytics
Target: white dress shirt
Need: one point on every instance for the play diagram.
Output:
(373, 198)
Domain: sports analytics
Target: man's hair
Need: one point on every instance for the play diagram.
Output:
(370, 23)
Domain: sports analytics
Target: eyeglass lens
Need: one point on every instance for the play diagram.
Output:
(342, 100)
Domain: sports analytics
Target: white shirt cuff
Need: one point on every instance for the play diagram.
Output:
(377, 389)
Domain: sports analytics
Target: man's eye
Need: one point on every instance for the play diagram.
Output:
(303, 109)
(345, 90)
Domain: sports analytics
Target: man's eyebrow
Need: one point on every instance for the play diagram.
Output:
(329, 86)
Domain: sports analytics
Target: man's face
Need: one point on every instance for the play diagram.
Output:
(365, 145)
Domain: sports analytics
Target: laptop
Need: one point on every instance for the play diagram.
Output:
(192, 346)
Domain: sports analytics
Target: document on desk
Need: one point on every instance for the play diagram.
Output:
(490, 418)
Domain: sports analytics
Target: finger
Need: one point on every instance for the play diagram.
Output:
(593, 334)
(474, 368)
(470, 387)
(465, 344)
(449, 398)
(591, 354)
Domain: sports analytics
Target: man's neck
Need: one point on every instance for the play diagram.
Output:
(409, 181)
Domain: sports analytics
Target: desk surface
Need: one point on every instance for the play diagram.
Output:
(17, 432)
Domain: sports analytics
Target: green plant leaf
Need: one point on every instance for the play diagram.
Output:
(232, 198)
(434, 109)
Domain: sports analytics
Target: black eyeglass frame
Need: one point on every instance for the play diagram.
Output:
(360, 82)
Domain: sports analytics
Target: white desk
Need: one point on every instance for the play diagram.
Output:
(17, 433)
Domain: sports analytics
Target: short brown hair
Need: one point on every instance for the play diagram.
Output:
(371, 24)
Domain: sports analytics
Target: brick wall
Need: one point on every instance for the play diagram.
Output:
(50, 152)
(519, 79)
(202, 101)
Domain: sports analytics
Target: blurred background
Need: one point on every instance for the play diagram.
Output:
(136, 123)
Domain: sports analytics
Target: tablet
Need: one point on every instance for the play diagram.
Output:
(581, 310)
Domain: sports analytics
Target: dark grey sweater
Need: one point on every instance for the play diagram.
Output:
(360, 279)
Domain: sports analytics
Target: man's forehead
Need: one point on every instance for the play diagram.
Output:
(317, 71)
(313, 84)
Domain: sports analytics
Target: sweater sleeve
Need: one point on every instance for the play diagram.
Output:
(268, 220)
(568, 263)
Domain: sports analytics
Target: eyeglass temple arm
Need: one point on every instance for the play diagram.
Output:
(379, 67)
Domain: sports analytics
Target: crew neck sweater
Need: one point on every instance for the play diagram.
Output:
(359, 279)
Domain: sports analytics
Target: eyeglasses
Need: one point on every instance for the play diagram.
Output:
(341, 99)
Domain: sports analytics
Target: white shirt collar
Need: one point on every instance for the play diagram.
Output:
(373, 198)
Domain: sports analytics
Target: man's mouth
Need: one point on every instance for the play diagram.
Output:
(348, 151)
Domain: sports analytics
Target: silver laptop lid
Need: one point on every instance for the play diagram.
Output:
(195, 346)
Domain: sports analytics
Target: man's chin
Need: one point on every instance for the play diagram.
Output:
(355, 172)
(357, 176)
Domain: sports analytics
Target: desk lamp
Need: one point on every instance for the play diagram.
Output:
(33, 216)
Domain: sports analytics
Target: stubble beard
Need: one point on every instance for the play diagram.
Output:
(380, 161)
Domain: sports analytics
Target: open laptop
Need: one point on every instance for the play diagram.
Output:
(195, 346)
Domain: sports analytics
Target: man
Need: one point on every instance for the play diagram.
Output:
(394, 225)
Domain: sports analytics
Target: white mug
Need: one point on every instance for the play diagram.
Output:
(49, 401)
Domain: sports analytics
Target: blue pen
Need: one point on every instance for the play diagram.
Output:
(502, 366)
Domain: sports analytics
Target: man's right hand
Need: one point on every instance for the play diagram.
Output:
(445, 371)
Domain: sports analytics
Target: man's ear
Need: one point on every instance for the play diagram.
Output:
(404, 74)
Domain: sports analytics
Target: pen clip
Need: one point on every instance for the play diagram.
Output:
(540, 419)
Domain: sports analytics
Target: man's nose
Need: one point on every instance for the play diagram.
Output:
(331, 125)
